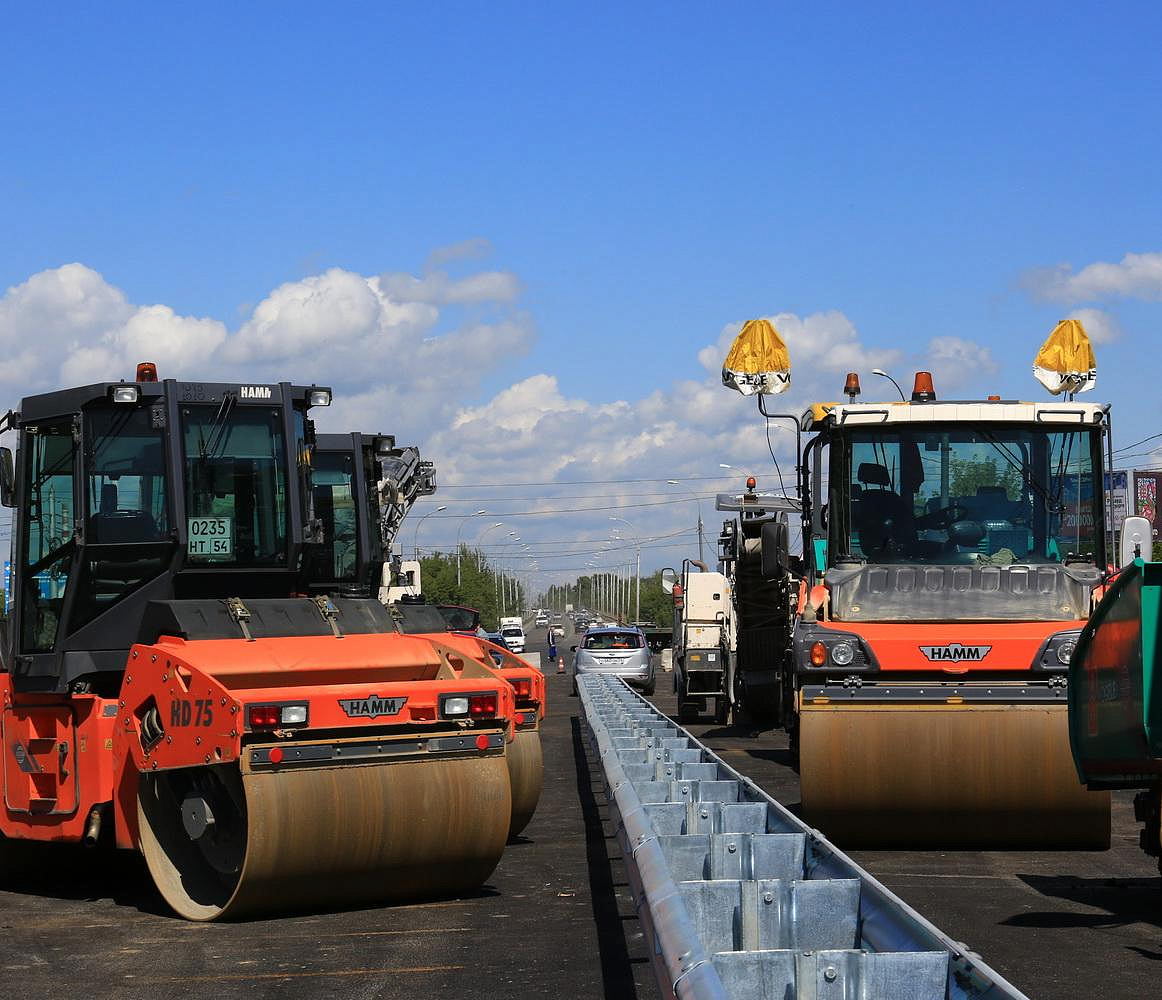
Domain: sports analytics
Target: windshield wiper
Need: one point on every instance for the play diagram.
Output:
(217, 428)
(1036, 487)
(116, 426)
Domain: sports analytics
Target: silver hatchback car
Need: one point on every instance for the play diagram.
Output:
(619, 651)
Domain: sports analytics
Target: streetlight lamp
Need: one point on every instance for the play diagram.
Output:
(637, 547)
(883, 374)
(458, 533)
(480, 537)
(416, 539)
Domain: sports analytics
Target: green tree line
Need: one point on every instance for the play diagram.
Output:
(479, 587)
(656, 605)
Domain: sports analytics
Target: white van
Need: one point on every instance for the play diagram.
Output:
(513, 633)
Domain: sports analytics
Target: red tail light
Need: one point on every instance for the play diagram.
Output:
(482, 705)
(264, 716)
(522, 687)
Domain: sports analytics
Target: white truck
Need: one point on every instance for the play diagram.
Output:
(513, 631)
(400, 579)
(704, 634)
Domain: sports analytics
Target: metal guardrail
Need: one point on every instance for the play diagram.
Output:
(739, 899)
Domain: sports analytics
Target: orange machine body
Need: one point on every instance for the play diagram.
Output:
(527, 682)
(185, 703)
(1012, 647)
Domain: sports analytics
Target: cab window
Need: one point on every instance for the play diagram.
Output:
(48, 540)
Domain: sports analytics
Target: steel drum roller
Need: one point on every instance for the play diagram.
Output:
(224, 844)
(997, 776)
(526, 772)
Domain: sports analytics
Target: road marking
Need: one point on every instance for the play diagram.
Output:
(325, 934)
(244, 977)
(994, 878)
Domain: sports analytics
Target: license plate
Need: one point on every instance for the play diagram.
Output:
(210, 536)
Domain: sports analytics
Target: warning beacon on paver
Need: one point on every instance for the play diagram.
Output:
(758, 361)
(1066, 361)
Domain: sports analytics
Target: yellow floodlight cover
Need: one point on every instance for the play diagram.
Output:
(758, 361)
(1065, 362)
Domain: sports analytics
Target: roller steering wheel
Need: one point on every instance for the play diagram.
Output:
(944, 518)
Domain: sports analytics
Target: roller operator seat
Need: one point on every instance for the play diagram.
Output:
(883, 518)
(111, 526)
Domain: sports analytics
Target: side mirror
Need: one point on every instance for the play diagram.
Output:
(776, 550)
(669, 578)
(7, 479)
(572, 649)
(1137, 539)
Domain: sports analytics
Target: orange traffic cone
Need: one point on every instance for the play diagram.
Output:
(561, 665)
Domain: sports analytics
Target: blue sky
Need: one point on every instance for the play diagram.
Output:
(647, 174)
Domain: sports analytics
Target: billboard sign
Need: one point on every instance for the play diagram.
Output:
(1119, 497)
(1146, 496)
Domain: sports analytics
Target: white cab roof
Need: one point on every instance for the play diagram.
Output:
(1004, 411)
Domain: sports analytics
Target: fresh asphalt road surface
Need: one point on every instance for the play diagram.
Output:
(555, 918)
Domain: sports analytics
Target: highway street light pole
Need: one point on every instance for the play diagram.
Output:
(416, 539)
(459, 531)
(480, 537)
(883, 374)
(637, 546)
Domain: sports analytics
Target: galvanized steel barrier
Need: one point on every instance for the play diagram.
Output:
(738, 898)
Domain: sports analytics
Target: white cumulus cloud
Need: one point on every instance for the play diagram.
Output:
(1101, 326)
(409, 354)
(1135, 276)
(954, 362)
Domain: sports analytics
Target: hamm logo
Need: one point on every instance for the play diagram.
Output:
(255, 392)
(954, 652)
(371, 707)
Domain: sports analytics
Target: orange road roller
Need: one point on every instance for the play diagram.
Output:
(165, 687)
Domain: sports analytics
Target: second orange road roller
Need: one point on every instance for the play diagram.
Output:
(164, 689)
(916, 647)
(357, 497)
(526, 765)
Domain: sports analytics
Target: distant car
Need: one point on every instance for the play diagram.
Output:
(557, 630)
(542, 621)
(497, 640)
(579, 626)
(514, 638)
(495, 637)
(619, 651)
(460, 618)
